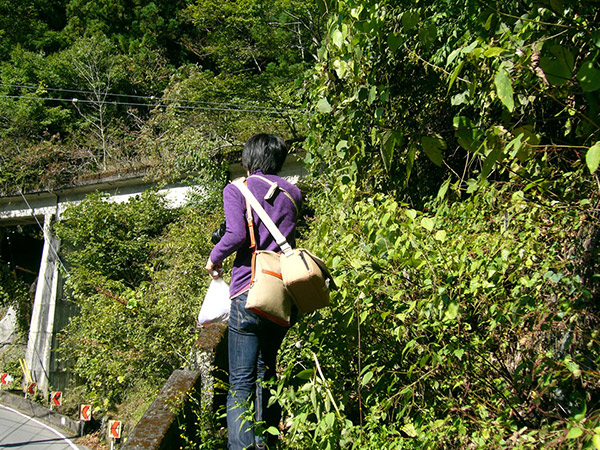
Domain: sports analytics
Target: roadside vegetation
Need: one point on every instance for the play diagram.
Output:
(453, 150)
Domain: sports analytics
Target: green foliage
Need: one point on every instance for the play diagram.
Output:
(464, 84)
(284, 32)
(33, 24)
(468, 321)
(14, 293)
(155, 25)
(136, 276)
(474, 320)
(129, 84)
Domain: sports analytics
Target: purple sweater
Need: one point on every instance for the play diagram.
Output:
(236, 237)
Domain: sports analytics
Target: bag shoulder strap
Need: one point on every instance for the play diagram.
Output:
(274, 186)
(256, 206)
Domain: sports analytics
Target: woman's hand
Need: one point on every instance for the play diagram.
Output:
(214, 270)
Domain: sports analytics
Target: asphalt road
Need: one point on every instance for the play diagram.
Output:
(19, 431)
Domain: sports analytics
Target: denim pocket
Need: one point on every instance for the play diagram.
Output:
(240, 318)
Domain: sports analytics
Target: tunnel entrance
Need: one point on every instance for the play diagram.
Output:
(21, 249)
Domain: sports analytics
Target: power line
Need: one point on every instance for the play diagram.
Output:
(192, 104)
(110, 94)
(206, 108)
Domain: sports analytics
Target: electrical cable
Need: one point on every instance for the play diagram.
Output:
(216, 106)
(109, 94)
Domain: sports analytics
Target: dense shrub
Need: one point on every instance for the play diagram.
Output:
(136, 275)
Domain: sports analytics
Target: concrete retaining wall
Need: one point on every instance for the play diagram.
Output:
(32, 409)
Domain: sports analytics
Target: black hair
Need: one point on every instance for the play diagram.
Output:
(265, 152)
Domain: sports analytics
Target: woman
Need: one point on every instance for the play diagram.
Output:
(253, 340)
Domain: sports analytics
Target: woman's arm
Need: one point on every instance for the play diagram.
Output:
(235, 229)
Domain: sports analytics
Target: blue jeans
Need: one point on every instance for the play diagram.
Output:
(253, 345)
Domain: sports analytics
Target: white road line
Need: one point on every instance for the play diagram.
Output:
(43, 425)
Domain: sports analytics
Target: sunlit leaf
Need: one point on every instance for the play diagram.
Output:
(410, 430)
(574, 433)
(455, 74)
(504, 89)
(324, 106)
(589, 77)
(273, 430)
(440, 235)
(592, 157)
(443, 189)
(493, 51)
(427, 223)
(338, 38)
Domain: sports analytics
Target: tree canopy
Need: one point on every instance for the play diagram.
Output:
(91, 86)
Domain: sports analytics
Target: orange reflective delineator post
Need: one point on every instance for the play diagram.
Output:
(3, 379)
(31, 388)
(55, 399)
(114, 432)
(85, 413)
(114, 429)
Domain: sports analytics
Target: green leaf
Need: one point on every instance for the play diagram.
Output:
(372, 95)
(557, 5)
(493, 51)
(440, 235)
(410, 19)
(596, 38)
(504, 89)
(329, 419)
(410, 160)
(410, 430)
(596, 441)
(366, 378)
(489, 163)
(455, 74)
(273, 431)
(427, 223)
(394, 41)
(592, 157)
(428, 34)
(443, 189)
(466, 133)
(411, 214)
(574, 433)
(324, 106)
(433, 146)
(338, 38)
(391, 139)
(562, 54)
(589, 77)
(306, 374)
(452, 311)
(558, 70)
